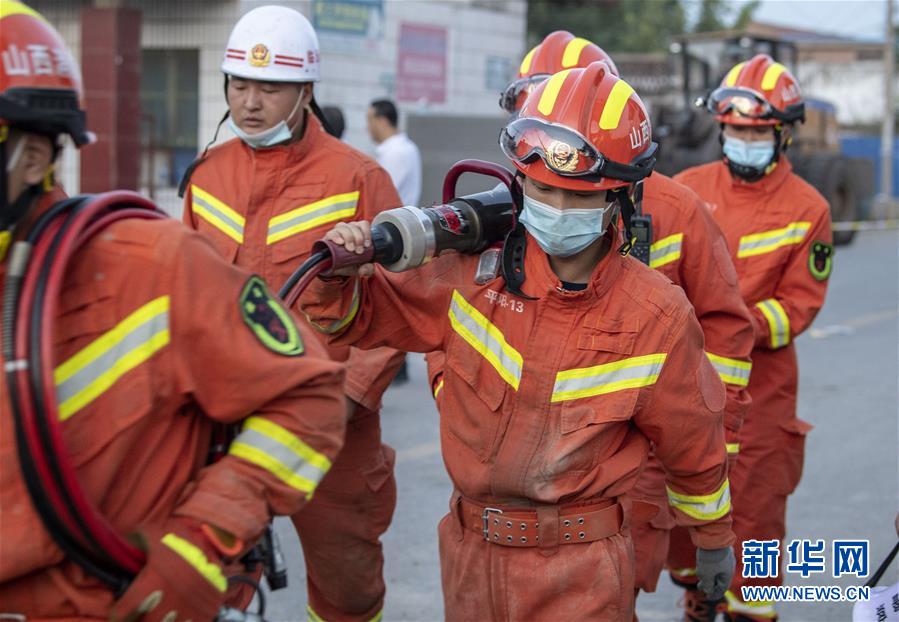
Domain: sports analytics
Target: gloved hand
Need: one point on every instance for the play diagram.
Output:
(182, 579)
(715, 569)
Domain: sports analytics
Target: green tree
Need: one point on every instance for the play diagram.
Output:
(712, 16)
(614, 25)
(747, 11)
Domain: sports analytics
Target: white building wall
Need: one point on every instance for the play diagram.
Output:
(855, 89)
(354, 72)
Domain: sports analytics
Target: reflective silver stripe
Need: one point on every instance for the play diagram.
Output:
(778, 322)
(731, 371)
(313, 215)
(297, 465)
(486, 338)
(768, 241)
(272, 447)
(666, 250)
(217, 214)
(639, 371)
(96, 367)
(702, 507)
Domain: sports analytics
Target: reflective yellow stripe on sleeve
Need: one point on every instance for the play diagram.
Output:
(666, 250)
(270, 446)
(323, 211)
(438, 388)
(631, 373)
(194, 556)
(778, 322)
(217, 213)
(487, 339)
(95, 368)
(732, 448)
(731, 371)
(702, 507)
(770, 241)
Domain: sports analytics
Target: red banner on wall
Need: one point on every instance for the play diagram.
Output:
(421, 63)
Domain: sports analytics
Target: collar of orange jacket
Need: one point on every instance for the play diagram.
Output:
(542, 281)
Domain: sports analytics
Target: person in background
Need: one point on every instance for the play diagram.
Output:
(264, 199)
(400, 157)
(395, 151)
(778, 230)
(157, 341)
(555, 388)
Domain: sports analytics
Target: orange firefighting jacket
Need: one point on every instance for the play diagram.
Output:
(156, 339)
(778, 231)
(264, 208)
(689, 248)
(552, 400)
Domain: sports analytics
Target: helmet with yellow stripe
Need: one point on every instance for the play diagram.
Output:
(559, 50)
(40, 84)
(582, 130)
(759, 91)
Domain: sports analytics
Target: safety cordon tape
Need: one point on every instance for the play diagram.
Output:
(865, 225)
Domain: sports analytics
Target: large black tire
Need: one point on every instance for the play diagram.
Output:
(831, 175)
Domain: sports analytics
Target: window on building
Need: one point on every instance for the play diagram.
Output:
(169, 98)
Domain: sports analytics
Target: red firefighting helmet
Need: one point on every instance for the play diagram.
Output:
(757, 92)
(559, 50)
(40, 83)
(582, 130)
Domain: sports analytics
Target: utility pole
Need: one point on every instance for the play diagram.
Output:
(889, 111)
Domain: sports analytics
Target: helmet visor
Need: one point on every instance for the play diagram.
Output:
(514, 95)
(739, 101)
(567, 153)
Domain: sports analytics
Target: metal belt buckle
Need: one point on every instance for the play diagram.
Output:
(485, 517)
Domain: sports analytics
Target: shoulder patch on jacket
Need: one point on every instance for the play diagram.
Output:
(820, 260)
(268, 320)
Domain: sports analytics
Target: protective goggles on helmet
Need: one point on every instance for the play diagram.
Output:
(567, 153)
(751, 105)
(508, 100)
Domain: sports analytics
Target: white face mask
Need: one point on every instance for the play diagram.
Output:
(273, 136)
(563, 233)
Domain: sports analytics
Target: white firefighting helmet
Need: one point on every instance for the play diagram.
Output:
(275, 44)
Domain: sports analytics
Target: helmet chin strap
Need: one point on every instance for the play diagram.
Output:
(631, 204)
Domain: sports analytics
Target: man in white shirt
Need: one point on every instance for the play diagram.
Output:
(395, 151)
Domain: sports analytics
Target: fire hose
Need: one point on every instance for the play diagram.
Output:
(402, 238)
(30, 300)
(36, 269)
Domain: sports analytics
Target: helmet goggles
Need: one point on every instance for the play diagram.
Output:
(567, 153)
(508, 100)
(750, 104)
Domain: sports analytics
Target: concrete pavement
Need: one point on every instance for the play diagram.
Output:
(850, 488)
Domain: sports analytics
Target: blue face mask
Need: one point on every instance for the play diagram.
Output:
(562, 233)
(273, 136)
(755, 154)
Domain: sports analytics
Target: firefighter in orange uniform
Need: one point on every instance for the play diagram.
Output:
(155, 343)
(687, 247)
(263, 200)
(552, 395)
(778, 230)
